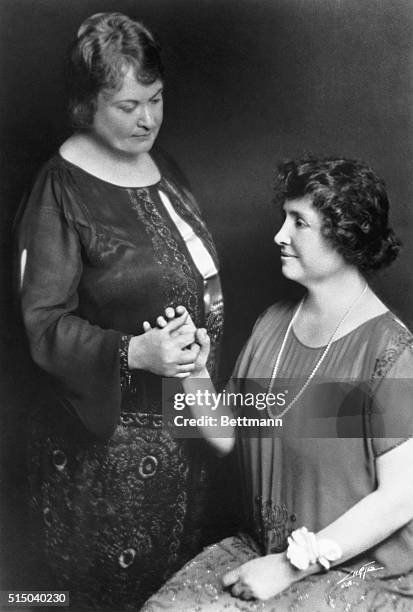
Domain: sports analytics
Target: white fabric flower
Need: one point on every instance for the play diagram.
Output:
(304, 550)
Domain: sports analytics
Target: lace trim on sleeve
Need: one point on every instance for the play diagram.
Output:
(388, 358)
(400, 342)
(125, 372)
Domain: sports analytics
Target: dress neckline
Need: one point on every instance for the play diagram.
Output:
(356, 329)
(155, 185)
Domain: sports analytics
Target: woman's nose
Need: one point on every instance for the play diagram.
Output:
(145, 118)
(282, 236)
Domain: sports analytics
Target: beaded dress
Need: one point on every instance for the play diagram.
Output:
(118, 503)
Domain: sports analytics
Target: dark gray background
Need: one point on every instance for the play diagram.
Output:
(249, 82)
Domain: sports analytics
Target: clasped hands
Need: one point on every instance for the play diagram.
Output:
(174, 348)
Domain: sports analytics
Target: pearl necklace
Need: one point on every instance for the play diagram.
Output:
(319, 362)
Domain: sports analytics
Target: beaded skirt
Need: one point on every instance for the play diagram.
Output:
(197, 586)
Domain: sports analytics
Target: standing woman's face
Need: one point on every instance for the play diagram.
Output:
(306, 256)
(129, 120)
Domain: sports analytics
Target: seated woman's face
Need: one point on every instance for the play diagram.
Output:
(128, 120)
(306, 256)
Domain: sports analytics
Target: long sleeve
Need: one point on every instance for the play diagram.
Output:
(83, 359)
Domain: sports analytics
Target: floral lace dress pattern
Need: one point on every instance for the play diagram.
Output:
(114, 517)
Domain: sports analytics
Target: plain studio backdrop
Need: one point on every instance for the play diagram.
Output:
(248, 83)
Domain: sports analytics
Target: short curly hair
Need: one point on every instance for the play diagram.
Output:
(107, 44)
(354, 205)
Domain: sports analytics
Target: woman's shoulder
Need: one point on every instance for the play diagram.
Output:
(277, 314)
(168, 167)
(279, 310)
(76, 155)
(389, 328)
(53, 190)
(55, 170)
(393, 341)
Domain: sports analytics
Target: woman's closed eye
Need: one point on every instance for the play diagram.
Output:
(127, 108)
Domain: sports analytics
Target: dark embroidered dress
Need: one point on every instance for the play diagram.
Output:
(117, 500)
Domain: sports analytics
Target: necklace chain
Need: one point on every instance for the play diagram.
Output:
(319, 361)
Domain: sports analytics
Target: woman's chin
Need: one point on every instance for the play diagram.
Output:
(296, 278)
(287, 272)
(133, 151)
(290, 270)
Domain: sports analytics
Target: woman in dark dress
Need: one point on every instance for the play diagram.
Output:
(108, 237)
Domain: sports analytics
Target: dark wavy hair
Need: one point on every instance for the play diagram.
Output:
(353, 203)
(107, 44)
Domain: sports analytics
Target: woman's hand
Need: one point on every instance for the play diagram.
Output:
(201, 337)
(204, 343)
(164, 351)
(171, 314)
(261, 578)
(179, 327)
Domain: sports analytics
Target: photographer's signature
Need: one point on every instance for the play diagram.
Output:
(359, 573)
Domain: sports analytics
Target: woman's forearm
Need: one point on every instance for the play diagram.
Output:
(201, 389)
(378, 515)
(382, 512)
(366, 524)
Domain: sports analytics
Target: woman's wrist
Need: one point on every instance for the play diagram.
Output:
(136, 354)
(310, 553)
(294, 574)
(300, 574)
(202, 373)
